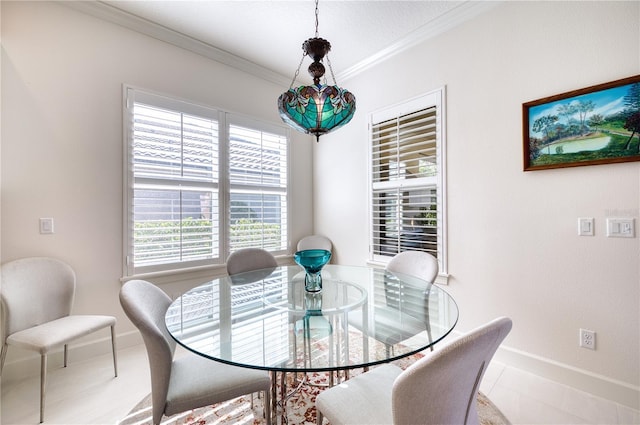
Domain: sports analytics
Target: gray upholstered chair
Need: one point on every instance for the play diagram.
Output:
(422, 265)
(37, 298)
(249, 259)
(314, 242)
(412, 309)
(415, 263)
(440, 388)
(189, 381)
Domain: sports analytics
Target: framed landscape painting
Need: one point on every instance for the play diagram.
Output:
(594, 125)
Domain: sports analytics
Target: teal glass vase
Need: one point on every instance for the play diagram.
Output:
(312, 261)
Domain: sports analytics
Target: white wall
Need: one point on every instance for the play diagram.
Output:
(513, 244)
(62, 77)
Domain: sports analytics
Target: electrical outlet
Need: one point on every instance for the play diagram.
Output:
(587, 339)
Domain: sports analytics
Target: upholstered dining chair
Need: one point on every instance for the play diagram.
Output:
(314, 242)
(37, 297)
(249, 259)
(245, 260)
(440, 388)
(421, 265)
(415, 263)
(189, 381)
(413, 311)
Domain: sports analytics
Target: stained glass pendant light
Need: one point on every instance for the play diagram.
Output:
(319, 108)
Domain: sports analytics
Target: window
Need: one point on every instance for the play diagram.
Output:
(407, 179)
(200, 183)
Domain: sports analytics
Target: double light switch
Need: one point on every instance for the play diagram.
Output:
(620, 228)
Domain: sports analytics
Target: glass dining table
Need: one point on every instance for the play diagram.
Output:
(265, 319)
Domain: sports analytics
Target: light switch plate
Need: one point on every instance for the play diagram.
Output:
(46, 226)
(585, 226)
(621, 228)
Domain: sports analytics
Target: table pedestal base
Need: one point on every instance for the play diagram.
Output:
(280, 392)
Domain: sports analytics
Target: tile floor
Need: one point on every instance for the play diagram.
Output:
(525, 398)
(87, 393)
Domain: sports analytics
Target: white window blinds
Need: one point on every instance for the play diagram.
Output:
(175, 186)
(407, 209)
(258, 189)
(199, 185)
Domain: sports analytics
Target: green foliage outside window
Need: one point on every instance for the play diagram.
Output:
(156, 238)
(250, 233)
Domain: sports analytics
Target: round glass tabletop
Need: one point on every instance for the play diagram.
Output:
(266, 320)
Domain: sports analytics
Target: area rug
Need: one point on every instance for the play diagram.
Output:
(300, 407)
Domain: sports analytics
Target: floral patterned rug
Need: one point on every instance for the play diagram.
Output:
(300, 407)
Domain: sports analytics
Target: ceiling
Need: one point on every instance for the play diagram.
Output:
(266, 36)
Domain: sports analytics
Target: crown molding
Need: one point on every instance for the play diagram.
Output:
(114, 15)
(454, 17)
(439, 25)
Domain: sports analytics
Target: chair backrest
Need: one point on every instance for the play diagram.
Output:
(146, 305)
(442, 387)
(35, 290)
(248, 259)
(415, 263)
(314, 242)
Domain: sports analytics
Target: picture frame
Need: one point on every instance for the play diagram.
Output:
(594, 125)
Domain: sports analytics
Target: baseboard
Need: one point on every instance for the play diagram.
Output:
(598, 385)
(22, 364)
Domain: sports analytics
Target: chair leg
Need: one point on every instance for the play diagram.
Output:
(3, 355)
(319, 417)
(267, 407)
(428, 322)
(43, 382)
(273, 394)
(113, 349)
(66, 352)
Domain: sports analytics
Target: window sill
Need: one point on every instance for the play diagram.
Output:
(203, 272)
(170, 276)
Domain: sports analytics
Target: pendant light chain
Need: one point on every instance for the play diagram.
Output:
(317, 13)
(331, 69)
(335, 82)
(295, 76)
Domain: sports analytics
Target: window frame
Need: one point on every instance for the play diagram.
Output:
(225, 120)
(435, 98)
